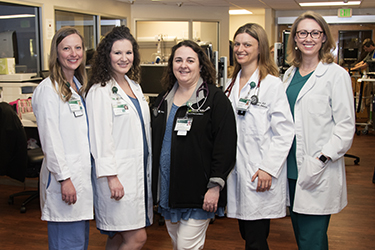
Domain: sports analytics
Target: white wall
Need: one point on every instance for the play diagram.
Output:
(109, 8)
(265, 18)
(237, 21)
(185, 13)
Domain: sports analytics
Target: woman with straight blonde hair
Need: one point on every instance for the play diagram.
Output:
(66, 195)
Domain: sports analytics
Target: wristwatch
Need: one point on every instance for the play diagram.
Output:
(323, 159)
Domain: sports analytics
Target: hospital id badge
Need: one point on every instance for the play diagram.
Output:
(119, 109)
(183, 125)
(243, 104)
(119, 106)
(75, 106)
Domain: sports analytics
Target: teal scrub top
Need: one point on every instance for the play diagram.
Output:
(292, 92)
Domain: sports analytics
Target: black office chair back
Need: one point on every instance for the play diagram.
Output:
(13, 144)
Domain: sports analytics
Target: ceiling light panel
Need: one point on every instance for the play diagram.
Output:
(336, 3)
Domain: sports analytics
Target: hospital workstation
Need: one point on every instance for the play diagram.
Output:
(26, 31)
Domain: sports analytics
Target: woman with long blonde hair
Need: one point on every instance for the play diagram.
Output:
(66, 195)
(257, 186)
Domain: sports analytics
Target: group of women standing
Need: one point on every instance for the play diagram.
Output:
(97, 143)
(291, 144)
(248, 145)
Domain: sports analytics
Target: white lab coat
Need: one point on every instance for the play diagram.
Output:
(324, 123)
(117, 147)
(66, 149)
(265, 134)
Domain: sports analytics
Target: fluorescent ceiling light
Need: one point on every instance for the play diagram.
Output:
(240, 12)
(17, 16)
(342, 3)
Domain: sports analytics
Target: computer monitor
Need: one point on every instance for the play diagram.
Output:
(8, 45)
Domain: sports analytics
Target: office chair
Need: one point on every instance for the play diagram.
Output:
(15, 160)
(356, 161)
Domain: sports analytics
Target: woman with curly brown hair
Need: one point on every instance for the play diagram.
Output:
(120, 142)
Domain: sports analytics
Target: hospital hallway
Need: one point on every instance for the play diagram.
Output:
(352, 229)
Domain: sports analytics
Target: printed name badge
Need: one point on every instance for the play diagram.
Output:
(119, 106)
(75, 106)
(183, 125)
(243, 104)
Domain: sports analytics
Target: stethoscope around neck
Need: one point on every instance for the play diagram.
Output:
(191, 110)
(254, 99)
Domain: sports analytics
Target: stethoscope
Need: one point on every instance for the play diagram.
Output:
(254, 99)
(191, 110)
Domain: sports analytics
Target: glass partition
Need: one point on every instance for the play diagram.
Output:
(82, 22)
(20, 36)
(156, 38)
(207, 33)
(108, 23)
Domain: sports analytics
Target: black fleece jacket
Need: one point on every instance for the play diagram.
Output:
(207, 151)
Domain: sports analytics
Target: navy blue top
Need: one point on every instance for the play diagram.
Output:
(175, 214)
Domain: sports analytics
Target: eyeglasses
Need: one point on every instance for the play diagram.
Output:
(315, 34)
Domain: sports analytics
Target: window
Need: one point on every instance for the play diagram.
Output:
(108, 23)
(84, 23)
(20, 36)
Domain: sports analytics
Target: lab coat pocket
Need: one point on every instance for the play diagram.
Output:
(127, 171)
(318, 104)
(76, 170)
(74, 163)
(257, 121)
(250, 173)
(310, 175)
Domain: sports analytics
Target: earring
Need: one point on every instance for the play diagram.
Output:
(296, 48)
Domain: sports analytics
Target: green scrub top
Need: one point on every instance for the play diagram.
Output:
(292, 92)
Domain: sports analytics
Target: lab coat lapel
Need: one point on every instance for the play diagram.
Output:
(319, 71)
(122, 93)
